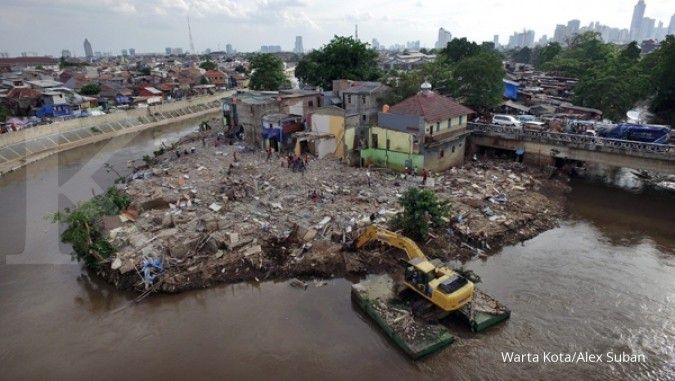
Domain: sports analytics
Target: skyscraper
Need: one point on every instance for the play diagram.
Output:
(647, 28)
(132, 52)
(375, 44)
(88, 51)
(444, 37)
(495, 40)
(573, 27)
(671, 27)
(228, 49)
(560, 33)
(65, 53)
(636, 21)
(298, 45)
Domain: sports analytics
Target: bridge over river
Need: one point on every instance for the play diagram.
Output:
(544, 145)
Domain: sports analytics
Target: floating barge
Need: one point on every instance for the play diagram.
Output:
(484, 311)
(416, 337)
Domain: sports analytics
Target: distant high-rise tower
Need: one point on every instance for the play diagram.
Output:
(443, 38)
(573, 27)
(647, 28)
(636, 21)
(356, 32)
(671, 27)
(192, 45)
(132, 52)
(495, 40)
(298, 45)
(88, 51)
(375, 44)
(65, 53)
(228, 49)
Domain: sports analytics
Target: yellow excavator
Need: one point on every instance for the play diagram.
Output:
(439, 284)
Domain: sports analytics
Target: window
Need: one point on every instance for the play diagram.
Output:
(310, 103)
(461, 120)
(363, 117)
(438, 126)
(373, 140)
(450, 123)
(453, 149)
(388, 144)
(349, 99)
(441, 153)
(363, 99)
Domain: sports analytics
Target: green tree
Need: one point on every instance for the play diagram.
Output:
(240, 69)
(478, 81)
(203, 80)
(268, 73)
(90, 89)
(460, 48)
(631, 53)
(341, 58)
(208, 65)
(585, 52)
(145, 70)
(545, 54)
(663, 79)
(522, 55)
(403, 85)
(613, 88)
(421, 210)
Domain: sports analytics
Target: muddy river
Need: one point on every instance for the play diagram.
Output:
(604, 281)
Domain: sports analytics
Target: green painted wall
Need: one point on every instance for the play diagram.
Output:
(390, 159)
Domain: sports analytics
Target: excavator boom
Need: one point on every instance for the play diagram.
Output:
(442, 286)
(373, 232)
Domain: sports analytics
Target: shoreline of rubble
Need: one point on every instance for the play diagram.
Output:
(214, 212)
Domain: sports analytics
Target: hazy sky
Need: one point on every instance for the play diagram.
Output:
(47, 26)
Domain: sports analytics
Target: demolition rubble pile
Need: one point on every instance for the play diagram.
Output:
(212, 213)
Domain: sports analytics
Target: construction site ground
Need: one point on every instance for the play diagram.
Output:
(223, 213)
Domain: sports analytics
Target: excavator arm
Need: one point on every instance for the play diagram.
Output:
(374, 232)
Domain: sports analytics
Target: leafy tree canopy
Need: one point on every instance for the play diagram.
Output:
(208, 65)
(460, 48)
(478, 81)
(268, 73)
(421, 209)
(341, 58)
(90, 89)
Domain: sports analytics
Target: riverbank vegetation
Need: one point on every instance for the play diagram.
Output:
(84, 225)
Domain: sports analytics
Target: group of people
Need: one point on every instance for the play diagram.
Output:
(297, 163)
(413, 172)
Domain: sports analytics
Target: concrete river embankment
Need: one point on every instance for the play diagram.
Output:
(28, 145)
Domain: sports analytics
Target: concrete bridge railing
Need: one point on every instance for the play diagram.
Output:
(591, 143)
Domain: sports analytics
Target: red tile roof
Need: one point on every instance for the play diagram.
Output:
(23, 92)
(430, 105)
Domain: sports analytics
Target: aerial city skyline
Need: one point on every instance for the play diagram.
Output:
(638, 27)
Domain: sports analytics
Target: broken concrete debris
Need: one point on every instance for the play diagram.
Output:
(208, 219)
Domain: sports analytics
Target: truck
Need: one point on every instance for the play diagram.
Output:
(647, 133)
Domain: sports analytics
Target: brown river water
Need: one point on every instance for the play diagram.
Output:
(604, 281)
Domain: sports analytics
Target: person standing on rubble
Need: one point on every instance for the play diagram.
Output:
(425, 174)
(368, 176)
(269, 153)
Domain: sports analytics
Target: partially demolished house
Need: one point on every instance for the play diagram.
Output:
(247, 109)
(426, 130)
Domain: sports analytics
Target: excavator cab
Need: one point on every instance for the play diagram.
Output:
(434, 281)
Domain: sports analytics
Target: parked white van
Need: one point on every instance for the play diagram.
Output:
(506, 120)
